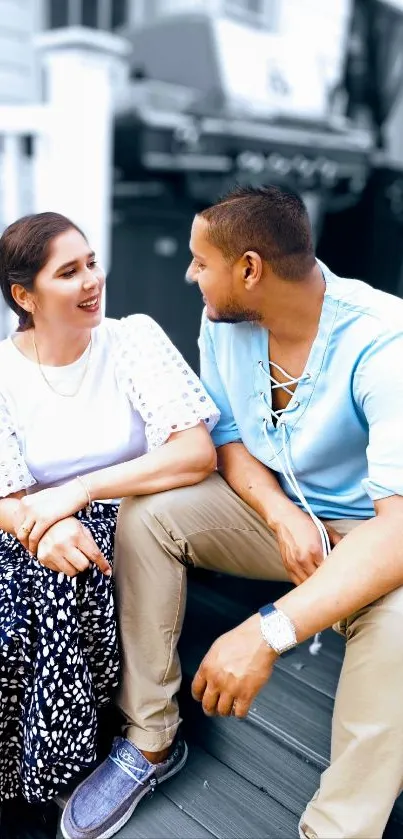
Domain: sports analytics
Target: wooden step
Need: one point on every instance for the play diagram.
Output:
(226, 803)
(293, 710)
(247, 779)
(159, 818)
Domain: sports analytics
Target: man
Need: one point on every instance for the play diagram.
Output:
(306, 370)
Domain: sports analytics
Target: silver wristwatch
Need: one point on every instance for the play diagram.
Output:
(277, 629)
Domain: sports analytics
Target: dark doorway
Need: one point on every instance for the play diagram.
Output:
(150, 255)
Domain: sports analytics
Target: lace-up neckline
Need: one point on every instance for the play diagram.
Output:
(285, 387)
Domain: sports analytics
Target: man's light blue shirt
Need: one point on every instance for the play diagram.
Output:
(343, 428)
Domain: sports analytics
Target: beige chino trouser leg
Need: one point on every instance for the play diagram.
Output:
(208, 526)
(365, 776)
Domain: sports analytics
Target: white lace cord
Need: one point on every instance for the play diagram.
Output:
(289, 476)
(316, 644)
(324, 536)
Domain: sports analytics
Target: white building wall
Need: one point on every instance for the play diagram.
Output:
(175, 6)
(18, 75)
(154, 9)
(20, 84)
(320, 25)
(278, 75)
(85, 70)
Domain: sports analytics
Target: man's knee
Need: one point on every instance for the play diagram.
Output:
(138, 510)
(380, 628)
(143, 542)
(153, 528)
(393, 603)
(174, 506)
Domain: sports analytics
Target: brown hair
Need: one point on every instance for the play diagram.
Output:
(24, 251)
(265, 219)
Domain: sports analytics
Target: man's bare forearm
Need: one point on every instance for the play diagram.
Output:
(365, 565)
(254, 483)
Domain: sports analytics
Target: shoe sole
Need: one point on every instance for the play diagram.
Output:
(125, 818)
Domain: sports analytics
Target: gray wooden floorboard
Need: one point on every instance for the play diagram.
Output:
(290, 722)
(260, 759)
(319, 671)
(226, 803)
(289, 710)
(159, 818)
(248, 779)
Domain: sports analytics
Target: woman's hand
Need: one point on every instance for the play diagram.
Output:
(69, 547)
(37, 512)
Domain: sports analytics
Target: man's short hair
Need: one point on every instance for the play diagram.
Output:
(265, 219)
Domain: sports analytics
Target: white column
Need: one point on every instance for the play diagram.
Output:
(40, 155)
(74, 161)
(10, 175)
(11, 206)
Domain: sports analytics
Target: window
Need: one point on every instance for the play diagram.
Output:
(255, 12)
(97, 14)
(89, 13)
(58, 13)
(119, 13)
(27, 145)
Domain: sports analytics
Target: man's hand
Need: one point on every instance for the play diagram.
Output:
(235, 668)
(69, 547)
(300, 544)
(38, 511)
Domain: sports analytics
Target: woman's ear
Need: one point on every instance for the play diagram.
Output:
(22, 297)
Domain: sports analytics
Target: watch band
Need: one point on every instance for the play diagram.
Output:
(269, 609)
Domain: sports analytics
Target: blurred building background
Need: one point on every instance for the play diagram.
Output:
(130, 115)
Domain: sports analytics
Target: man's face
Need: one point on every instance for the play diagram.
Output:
(220, 282)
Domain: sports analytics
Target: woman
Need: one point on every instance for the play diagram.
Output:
(91, 410)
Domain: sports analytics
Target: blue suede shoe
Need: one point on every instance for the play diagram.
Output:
(104, 802)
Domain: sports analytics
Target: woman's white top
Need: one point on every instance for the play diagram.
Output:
(137, 391)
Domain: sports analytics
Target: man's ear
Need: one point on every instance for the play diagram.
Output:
(252, 269)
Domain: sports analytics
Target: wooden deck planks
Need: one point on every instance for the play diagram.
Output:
(247, 779)
(226, 803)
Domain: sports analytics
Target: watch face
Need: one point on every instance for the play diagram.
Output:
(279, 632)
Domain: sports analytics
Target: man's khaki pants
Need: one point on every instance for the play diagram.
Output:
(208, 526)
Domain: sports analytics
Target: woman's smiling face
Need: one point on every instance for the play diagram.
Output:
(68, 289)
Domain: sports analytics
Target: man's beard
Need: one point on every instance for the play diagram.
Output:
(234, 314)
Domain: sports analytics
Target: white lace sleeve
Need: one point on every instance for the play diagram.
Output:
(160, 385)
(14, 473)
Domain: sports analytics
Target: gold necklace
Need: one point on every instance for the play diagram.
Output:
(67, 395)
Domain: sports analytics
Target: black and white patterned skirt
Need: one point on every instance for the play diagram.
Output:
(58, 663)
